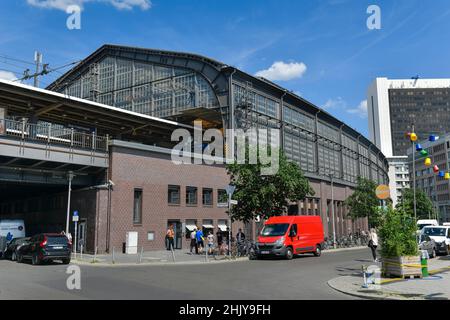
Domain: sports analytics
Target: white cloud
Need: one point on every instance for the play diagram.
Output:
(360, 110)
(334, 103)
(63, 4)
(283, 71)
(6, 75)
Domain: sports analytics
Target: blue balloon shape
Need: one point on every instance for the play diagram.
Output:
(432, 138)
(441, 174)
(419, 147)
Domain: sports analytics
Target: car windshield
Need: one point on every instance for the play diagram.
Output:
(437, 232)
(421, 226)
(274, 230)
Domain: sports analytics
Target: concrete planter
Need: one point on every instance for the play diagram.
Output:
(403, 267)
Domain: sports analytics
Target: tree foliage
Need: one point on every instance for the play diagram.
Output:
(364, 202)
(266, 195)
(398, 234)
(424, 205)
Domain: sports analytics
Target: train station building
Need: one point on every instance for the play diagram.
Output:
(105, 126)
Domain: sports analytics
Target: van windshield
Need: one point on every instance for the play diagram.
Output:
(437, 232)
(274, 230)
(421, 226)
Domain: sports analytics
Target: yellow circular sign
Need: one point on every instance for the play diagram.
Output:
(383, 192)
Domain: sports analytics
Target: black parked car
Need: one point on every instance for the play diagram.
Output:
(46, 247)
(11, 249)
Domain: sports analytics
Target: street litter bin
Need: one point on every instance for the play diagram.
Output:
(424, 262)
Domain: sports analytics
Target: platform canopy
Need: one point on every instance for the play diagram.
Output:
(34, 103)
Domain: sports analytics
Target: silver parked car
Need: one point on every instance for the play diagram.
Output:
(428, 244)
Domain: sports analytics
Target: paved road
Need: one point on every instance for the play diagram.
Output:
(304, 277)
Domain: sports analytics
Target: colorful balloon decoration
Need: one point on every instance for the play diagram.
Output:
(433, 138)
(424, 153)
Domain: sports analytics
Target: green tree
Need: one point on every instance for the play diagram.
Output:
(424, 205)
(266, 195)
(364, 202)
(398, 234)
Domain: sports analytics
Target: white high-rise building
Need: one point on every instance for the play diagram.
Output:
(394, 106)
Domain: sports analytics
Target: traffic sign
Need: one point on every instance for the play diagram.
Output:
(382, 192)
(75, 217)
(230, 189)
(235, 202)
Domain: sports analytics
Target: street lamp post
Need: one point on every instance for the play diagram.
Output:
(70, 177)
(414, 175)
(332, 210)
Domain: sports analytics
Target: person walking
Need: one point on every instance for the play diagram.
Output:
(373, 243)
(194, 241)
(170, 234)
(210, 239)
(199, 238)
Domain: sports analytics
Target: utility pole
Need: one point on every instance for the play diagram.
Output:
(38, 62)
(414, 175)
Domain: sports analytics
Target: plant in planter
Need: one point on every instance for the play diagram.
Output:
(399, 248)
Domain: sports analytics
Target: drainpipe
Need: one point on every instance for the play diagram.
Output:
(231, 112)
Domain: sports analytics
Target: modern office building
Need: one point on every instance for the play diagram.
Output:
(395, 105)
(436, 187)
(134, 98)
(398, 177)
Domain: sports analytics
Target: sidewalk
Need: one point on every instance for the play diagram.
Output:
(434, 287)
(161, 257)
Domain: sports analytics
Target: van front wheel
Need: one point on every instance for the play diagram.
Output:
(318, 251)
(289, 253)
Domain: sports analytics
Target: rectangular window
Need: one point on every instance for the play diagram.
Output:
(222, 198)
(137, 208)
(207, 196)
(173, 194)
(191, 196)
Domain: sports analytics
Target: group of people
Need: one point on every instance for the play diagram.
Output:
(198, 241)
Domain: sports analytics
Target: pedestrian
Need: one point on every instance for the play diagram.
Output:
(373, 243)
(210, 239)
(200, 239)
(194, 241)
(170, 234)
(219, 238)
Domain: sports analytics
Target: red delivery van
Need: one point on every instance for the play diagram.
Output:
(286, 236)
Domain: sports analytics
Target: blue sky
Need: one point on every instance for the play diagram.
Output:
(324, 50)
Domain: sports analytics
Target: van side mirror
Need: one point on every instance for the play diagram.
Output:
(292, 233)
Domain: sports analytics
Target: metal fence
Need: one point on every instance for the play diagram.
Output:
(53, 135)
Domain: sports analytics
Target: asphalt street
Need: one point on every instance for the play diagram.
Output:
(305, 277)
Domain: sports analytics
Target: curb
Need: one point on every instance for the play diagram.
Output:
(159, 263)
(343, 249)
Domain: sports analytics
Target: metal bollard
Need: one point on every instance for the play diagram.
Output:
(140, 255)
(81, 252)
(95, 255)
(113, 255)
(173, 253)
(424, 263)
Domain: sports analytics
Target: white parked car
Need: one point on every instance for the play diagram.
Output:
(426, 222)
(441, 236)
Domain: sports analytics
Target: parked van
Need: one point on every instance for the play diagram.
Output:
(286, 236)
(426, 222)
(441, 236)
(12, 229)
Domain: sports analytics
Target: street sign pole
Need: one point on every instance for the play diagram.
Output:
(230, 190)
(75, 219)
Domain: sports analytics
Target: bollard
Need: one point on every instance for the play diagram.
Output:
(81, 252)
(140, 255)
(173, 253)
(113, 255)
(95, 255)
(424, 263)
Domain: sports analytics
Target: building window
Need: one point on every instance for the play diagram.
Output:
(174, 194)
(222, 198)
(191, 196)
(137, 208)
(207, 196)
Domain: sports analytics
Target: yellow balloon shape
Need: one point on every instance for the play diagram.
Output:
(413, 137)
(447, 176)
(428, 162)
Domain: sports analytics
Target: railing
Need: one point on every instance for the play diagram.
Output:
(53, 134)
